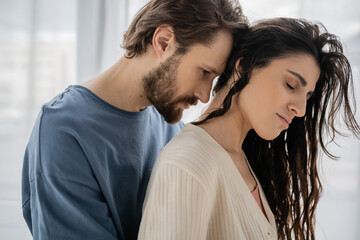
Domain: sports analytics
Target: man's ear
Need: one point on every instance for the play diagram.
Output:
(164, 40)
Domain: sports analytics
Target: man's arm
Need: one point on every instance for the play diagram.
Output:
(61, 196)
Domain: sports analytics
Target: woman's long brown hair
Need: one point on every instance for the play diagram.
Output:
(287, 166)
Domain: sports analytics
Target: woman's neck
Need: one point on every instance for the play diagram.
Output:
(228, 130)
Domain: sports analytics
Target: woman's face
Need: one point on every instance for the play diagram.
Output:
(277, 93)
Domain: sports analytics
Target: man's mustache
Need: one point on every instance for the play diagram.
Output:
(190, 100)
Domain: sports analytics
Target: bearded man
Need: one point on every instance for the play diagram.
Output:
(91, 151)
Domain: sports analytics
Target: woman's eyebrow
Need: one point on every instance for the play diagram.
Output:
(298, 76)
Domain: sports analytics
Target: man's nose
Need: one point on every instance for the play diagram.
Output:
(203, 92)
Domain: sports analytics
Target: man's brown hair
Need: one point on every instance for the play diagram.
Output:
(194, 22)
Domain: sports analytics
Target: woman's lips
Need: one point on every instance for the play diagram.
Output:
(285, 122)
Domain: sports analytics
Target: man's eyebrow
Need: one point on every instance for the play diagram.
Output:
(211, 69)
(302, 80)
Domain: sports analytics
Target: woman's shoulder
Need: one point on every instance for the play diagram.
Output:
(192, 142)
(194, 151)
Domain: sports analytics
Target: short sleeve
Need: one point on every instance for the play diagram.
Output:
(61, 196)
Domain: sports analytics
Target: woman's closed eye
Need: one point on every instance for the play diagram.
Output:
(290, 86)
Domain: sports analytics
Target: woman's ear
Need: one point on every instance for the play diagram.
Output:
(237, 65)
(236, 74)
(163, 40)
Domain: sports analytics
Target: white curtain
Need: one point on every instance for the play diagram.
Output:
(46, 45)
(101, 25)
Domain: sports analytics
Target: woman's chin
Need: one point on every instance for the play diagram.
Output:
(269, 136)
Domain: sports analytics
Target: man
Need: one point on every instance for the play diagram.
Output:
(89, 158)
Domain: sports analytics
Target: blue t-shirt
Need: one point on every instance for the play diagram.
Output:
(87, 166)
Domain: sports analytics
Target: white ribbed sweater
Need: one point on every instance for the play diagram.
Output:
(196, 192)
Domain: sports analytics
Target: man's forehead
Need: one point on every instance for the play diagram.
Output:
(216, 63)
(213, 59)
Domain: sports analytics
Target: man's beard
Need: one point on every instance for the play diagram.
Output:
(160, 88)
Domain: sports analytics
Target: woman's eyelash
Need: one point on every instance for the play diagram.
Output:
(289, 86)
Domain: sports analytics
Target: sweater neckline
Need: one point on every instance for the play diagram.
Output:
(236, 174)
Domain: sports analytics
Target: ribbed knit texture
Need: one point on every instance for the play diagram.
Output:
(196, 192)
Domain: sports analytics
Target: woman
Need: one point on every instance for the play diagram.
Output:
(248, 170)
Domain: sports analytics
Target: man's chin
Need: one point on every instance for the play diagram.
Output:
(174, 117)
